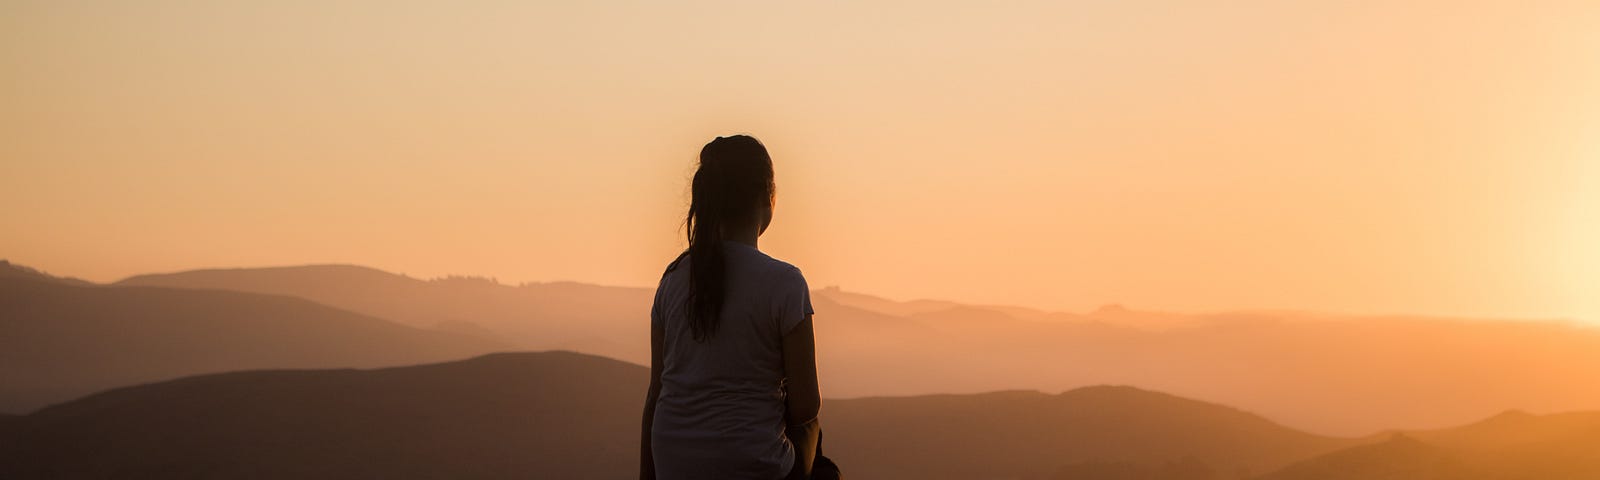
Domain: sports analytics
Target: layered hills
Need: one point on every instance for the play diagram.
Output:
(1331, 374)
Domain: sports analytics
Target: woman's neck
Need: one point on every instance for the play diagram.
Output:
(747, 236)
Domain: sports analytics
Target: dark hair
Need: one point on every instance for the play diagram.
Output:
(731, 185)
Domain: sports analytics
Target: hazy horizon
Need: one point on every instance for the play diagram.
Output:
(843, 288)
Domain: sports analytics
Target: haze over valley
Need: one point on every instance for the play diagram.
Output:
(1340, 375)
(922, 389)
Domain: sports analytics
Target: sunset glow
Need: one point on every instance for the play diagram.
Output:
(1025, 240)
(1431, 158)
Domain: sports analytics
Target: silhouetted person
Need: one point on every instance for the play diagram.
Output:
(733, 377)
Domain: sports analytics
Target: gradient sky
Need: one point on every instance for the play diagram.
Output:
(1379, 157)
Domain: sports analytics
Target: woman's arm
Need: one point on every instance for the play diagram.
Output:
(800, 371)
(804, 399)
(647, 464)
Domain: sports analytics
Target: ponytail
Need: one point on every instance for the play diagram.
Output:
(732, 182)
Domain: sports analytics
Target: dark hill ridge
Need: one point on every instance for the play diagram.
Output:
(1400, 457)
(1510, 446)
(526, 415)
(12, 270)
(1034, 434)
(568, 415)
(1515, 428)
(60, 340)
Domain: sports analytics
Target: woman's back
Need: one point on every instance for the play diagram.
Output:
(720, 411)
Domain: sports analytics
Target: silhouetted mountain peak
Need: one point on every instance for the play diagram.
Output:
(1108, 391)
(1511, 416)
(12, 270)
(1505, 422)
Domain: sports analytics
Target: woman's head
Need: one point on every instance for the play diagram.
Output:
(732, 195)
(732, 188)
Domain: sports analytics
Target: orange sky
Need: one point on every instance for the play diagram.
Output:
(1430, 157)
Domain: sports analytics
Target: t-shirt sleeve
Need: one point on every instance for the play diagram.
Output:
(657, 311)
(793, 300)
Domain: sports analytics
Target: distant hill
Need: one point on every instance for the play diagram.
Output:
(1512, 446)
(567, 415)
(61, 339)
(10, 270)
(1024, 434)
(1340, 375)
(883, 305)
(609, 321)
(1113, 314)
(1400, 457)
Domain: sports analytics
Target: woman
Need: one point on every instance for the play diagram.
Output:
(733, 378)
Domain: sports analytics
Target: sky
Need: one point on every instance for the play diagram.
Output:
(1357, 157)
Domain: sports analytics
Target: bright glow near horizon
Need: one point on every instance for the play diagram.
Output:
(1424, 157)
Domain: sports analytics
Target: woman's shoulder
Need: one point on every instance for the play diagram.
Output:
(676, 272)
(772, 265)
(782, 275)
(674, 264)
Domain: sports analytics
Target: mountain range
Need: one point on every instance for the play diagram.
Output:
(1511, 446)
(62, 339)
(303, 372)
(1337, 375)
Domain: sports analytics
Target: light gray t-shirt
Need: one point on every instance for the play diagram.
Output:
(720, 413)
